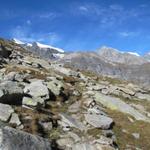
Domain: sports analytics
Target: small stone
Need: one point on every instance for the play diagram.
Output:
(47, 126)
(108, 133)
(136, 135)
(75, 107)
(15, 119)
(5, 112)
(104, 141)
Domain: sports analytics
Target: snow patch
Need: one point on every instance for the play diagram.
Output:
(48, 46)
(133, 53)
(58, 55)
(29, 44)
(18, 41)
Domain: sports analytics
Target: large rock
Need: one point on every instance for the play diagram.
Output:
(98, 121)
(11, 139)
(11, 92)
(5, 112)
(55, 86)
(37, 89)
(118, 104)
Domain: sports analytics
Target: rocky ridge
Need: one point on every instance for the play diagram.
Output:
(113, 55)
(49, 106)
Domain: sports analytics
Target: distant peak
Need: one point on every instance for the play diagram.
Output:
(106, 49)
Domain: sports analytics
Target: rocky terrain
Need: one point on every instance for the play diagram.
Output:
(45, 105)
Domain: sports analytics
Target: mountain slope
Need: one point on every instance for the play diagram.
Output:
(92, 62)
(113, 55)
(47, 106)
(53, 107)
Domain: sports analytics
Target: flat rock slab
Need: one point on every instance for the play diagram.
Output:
(99, 121)
(5, 112)
(117, 104)
(37, 89)
(11, 87)
(12, 139)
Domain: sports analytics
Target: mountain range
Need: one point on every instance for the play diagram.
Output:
(105, 61)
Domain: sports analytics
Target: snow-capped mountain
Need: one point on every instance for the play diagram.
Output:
(43, 50)
(115, 56)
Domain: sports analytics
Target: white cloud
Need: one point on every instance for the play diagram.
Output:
(83, 8)
(116, 7)
(28, 22)
(110, 15)
(25, 34)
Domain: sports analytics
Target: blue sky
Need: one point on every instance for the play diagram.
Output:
(79, 24)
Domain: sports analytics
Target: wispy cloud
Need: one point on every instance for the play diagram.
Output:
(113, 14)
(48, 15)
(128, 34)
(25, 34)
(83, 8)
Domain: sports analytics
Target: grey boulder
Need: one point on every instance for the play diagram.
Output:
(99, 121)
(37, 89)
(12, 139)
(11, 92)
